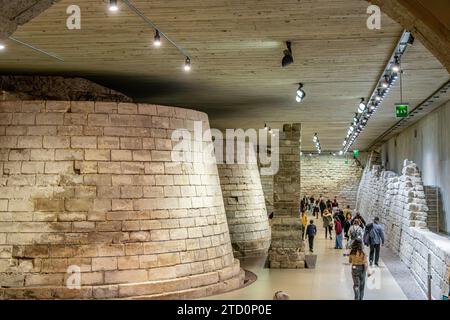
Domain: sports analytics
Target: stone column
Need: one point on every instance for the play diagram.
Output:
(287, 249)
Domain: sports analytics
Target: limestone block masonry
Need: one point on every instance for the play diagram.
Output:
(399, 202)
(245, 206)
(332, 177)
(287, 248)
(92, 186)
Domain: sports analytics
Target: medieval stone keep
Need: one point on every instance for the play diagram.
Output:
(91, 190)
(224, 150)
(245, 205)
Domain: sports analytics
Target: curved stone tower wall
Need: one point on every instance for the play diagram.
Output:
(245, 207)
(91, 187)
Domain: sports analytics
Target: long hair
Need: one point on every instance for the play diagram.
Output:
(357, 247)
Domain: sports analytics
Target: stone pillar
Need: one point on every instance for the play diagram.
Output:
(287, 250)
(245, 205)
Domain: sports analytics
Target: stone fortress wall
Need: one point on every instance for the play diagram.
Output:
(332, 177)
(399, 201)
(93, 185)
(244, 203)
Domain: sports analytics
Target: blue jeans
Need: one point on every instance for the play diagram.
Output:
(359, 281)
(339, 241)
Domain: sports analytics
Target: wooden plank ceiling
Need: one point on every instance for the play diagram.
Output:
(236, 48)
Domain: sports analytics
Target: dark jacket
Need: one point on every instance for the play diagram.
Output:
(375, 234)
(311, 230)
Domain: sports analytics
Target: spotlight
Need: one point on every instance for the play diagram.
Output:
(266, 127)
(2, 46)
(270, 130)
(287, 59)
(355, 118)
(362, 106)
(385, 83)
(113, 5)
(157, 39)
(300, 93)
(344, 143)
(341, 153)
(396, 65)
(187, 64)
(315, 137)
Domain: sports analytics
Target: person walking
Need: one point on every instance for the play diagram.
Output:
(316, 209)
(338, 230)
(311, 232)
(322, 206)
(327, 223)
(358, 216)
(348, 211)
(335, 203)
(312, 201)
(304, 223)
(347, 225)
(374, 238)
(358, 261)
(355, 232)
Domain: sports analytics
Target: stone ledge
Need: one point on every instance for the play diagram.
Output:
(189, 287)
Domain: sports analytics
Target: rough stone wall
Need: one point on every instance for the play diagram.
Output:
(56, 88)
(331, 177)
(267, 187)
(399, 202)
(287, 248)
(245, 206)
(94, 185)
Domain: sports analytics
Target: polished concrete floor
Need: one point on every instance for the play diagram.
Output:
(331, 279)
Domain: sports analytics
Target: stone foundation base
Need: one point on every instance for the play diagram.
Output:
(286, 258)
(287, 248)
(190, 287)
(251, 249)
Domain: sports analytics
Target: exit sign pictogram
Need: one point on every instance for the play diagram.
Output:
(401, 110)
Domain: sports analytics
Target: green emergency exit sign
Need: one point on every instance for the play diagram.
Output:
(356, 153)
(401, 110)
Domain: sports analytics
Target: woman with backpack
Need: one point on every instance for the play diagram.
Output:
(355, 232)
(358, 261)
(327, 223)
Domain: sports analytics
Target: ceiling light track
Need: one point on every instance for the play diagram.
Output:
(389, 76)
(424, 104)
(157, 30)
(48, 54)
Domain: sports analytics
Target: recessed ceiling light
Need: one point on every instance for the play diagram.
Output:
(2, 46)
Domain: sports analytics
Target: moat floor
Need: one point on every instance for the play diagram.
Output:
(331, 279)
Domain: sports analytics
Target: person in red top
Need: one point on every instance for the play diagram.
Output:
(339, 233)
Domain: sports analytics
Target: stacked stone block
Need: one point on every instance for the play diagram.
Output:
(331, 177)
(287, 248)
(245, 205)
(399, 202)
(94, 186)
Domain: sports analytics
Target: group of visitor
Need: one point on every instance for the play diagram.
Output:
(352, 228)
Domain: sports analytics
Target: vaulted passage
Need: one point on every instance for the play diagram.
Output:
(229, 150)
